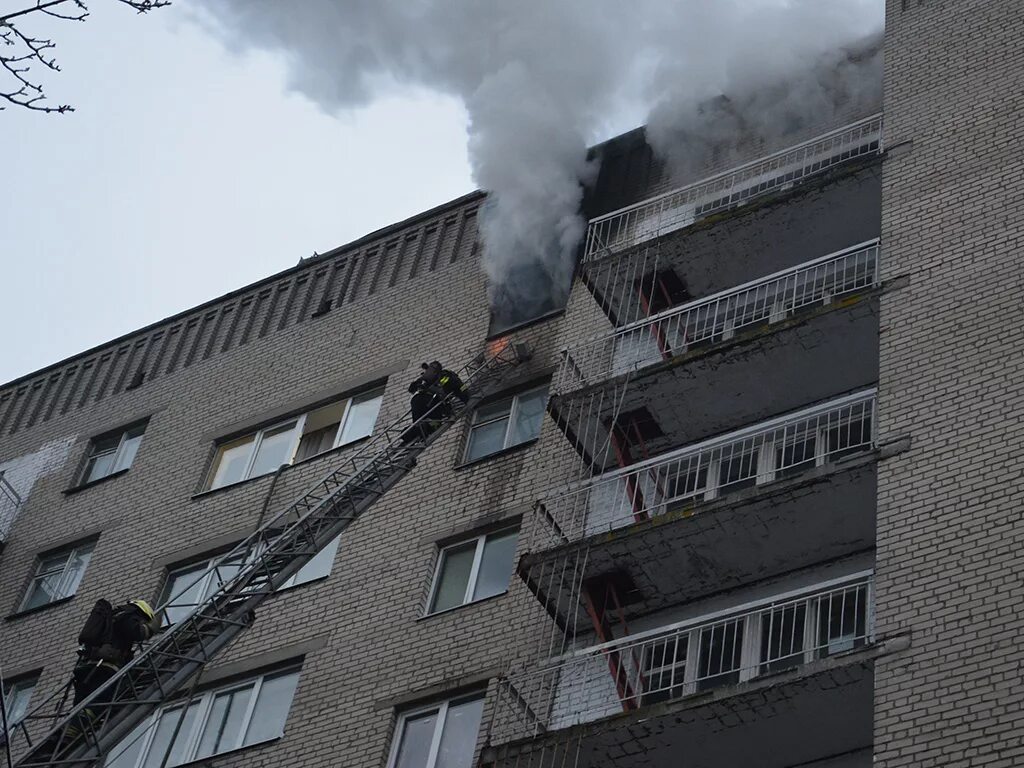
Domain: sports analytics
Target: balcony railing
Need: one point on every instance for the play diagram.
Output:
(719, 317)
(776, 449)
(627, 227)
(687, 657)
(10, 505)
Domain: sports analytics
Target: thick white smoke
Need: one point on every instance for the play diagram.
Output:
(541, 80)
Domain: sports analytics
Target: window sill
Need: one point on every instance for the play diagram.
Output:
(498, 454)
(219, 489)
(331, 451)
(38, 608)
(454, 608)
(92, 483)
(209, 759)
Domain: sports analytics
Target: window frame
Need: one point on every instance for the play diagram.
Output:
(10, 687)
(441, 709)
(474, 571)
(299, 420)
(117, 453)
(510, 417)
(206, 576)
(205, 700)
(71, 551)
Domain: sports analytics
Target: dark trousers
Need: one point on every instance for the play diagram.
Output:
(90, 675)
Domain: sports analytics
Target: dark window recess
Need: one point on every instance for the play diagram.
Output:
(631, 433)
(721, 653)
(662, 290)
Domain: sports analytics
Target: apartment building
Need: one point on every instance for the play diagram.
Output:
(750, 500)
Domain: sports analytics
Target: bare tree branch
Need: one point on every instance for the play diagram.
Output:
(20, 51)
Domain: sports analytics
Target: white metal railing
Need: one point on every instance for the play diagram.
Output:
(679, 208)
(720, 316)
(687, 657)
(775, 449)
(10, 505)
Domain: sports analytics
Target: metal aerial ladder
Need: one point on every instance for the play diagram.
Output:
(269, 557)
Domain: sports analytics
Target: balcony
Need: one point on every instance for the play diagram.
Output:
(774, 667)
(783, 447)
(720, 317)
(628, 227)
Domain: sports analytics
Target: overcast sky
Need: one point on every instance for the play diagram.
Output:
(187, 172)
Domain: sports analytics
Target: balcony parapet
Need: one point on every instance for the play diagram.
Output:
(719, 317)
(686, 658)
(627, 227)
(782, 447)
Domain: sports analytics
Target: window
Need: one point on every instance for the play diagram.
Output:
(507, 422)
(17, 698)
(473, 570)
(113, 452)
(190, 585)
(57, 575)
(440, 736)
(296, 439)
(217, 721)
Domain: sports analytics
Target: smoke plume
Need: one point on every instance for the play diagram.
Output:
(543, 79)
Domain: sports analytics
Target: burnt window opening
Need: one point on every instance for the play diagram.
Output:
(661, 290)
(631, 432)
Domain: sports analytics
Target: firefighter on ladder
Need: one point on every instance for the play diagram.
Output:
(106, 644)
(430, 403)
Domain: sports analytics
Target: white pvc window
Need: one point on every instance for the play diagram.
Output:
(17, 698)
(191, 585)
(112, 453)
(507, 422)
(473, 570)
(57, 575)
(439, 736)
(296, 439)
(215, 722)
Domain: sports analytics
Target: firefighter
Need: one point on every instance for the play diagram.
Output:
(106, 644)
(430, 403)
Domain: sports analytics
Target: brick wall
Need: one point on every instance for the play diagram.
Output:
(950, 523)
(378, 647)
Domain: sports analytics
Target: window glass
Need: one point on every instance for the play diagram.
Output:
(165, 730)
(274, 449)
(486, 439)
(495, 565)
(198, 583)
(57, 576)
(458, 739)
(361, 418)
(217, 721)
(113, 452)
(842, 620)
(664, 665)
(529, 415)
(17, 698)
(128, 449)
(271, 710)
(100, 465)
(456, 565)
(417, 735)
(232, 461)
(316, 568)
(223, 728)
